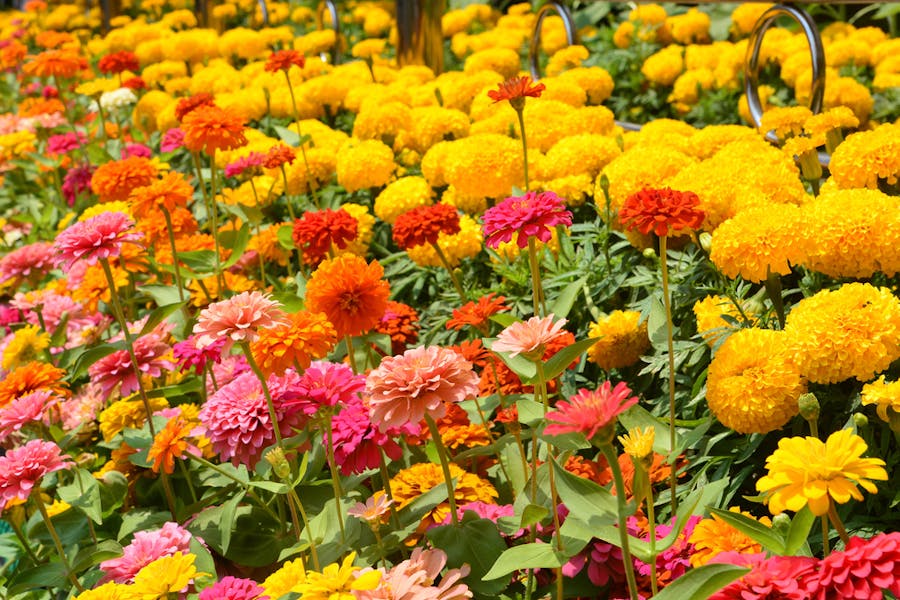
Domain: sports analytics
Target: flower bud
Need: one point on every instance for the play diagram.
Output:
(276, 458)
(705, 238)
(809, 407)
(860, 420)
(781, 523)
(649, 253)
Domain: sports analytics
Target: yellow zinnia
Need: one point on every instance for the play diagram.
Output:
(338, 582)
(164, 576)
(806, 470)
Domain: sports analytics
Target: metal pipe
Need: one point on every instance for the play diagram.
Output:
(264, 9)
(331, 7)
(751, 65)
(568, 23)
(420, 39)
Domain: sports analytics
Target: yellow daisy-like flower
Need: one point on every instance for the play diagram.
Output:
(287, 579)
(108, 591)
(27, 344)
(622, 340)
(127, 413)
(885, 396)
(338, 582)
(807, 471)
(713, 536)
(96, 87)
(753, 386)
(402, 196)
(164, 576)
(638, 443)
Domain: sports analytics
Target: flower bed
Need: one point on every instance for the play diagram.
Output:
(275, 327)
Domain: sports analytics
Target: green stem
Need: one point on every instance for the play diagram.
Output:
(670, 345)
(313, 551)
(537, 291)
(310, 180)
(445, 466)
(178, 281)
(825, 544)
(273, 416)
(621, 503)
(36, 494)
(187, 479)
(443, 258)
(773, 289)
(521, 114)
(23, 540)
(167, 490)
(651, 520)
(215, 221)
(335, 478)
(836, 521)
(350, 354)
(246, 486)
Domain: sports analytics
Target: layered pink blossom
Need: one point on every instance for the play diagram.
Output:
(778, 578)
(862, 570)
(146, 547)
(32, 260)
(529, 338)
(190, 357)
(22, 468)
(590, 411)
(96, 238)
(116, 369)
(23, 410)
(77, 181)
(172, 140)
(233, 588)
(63, 143)
(83, 408)
(358, 442)
(403, 389)
(135, 149)
(533, 215)
(327, 384)
(416, 579)
(237, 319)
(250, 163)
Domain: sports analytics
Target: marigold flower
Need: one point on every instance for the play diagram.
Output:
(30, 378)
(622, 340)
(529, 338)
(170, 192)
(319, 232)
(403, 389)
(210, 128)
(533, 214)
(306, 336)
(402, 196)
(807, 471)
(99, 237)
(350, 292)
(119, 62)
(590, 412)
(170, 443)
(711, 312)
(424, 224)
(282, 60)
(516, 89)
(116, 179)
(21, 469)
(477, 313)
(713, 536)
(661, 211)
(237, 319)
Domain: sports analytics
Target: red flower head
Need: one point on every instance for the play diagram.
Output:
(423, 225)
(533, 214)
(778, 578)
(862, 570)
(283, 59)
(661, 211)
(186, 105)
(135, 83)
(119, 62)
(316, 231)
(590, 412)
(401, 322)
(278, 156)
(515, 90)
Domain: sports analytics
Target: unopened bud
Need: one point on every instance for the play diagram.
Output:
(706, 241)
(649, 253)
(781, 523)
(809, 406)
(276, 458)
(860, 420)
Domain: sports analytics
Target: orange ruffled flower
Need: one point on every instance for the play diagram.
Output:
(210, 128)
(661, 211)
(119, 62)
(516, 89)
(35, 107)
(29, 378)
(116, 179)
(350, 292)
(477, 314)
(282, 60)
(12, 54)
(170, 443)
(187, 105)
(55, 63)
(307, 336)
(401, 322)
(278, 156)
(170, 192)
(423, 224)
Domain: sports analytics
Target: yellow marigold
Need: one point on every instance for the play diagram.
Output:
(745, 16)
(574, 189)
(664, 67)
(327, 91)
(687, 88)
(835, 119)
(649, 21)
(147, 109)
(286, 579)
(401, 196)
(504, 61)
(164, 576)
(364, 233)
(127, 413)
(710, 312)
(886, 397)
(411, 483)
(27, 344)
(466, 243)
(364, 164)
(765, 93)
(567, 58)
(623, 339)
(322, 166)
(472, 205)
(853, 331)
(565, 91)
(711, 139)
(713, 536)
(307, 336)
(807, 471)
(432, 124)
(377, 22)
(843, 91)
(459, 89)
(468, 436)
(366, 94)
(585, 153)
(624, 35)
(545, 123)
(691, 27)
(866, 157)
(595, 81)
(383, 122)
(235, 283)
(785, 121)
(368, 48)
(753, 386)
(848, 51)
(639, 168)
(482, 165)
(761, 240)
(338, 582)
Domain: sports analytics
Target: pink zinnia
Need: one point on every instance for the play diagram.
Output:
(82, 409)
(416, 579)
(327, 384)
(778, 578)
(533, 214)
(237, 319)
(358, 442)
(529, 338)
(22, 468)
(862, 570)
(491, 512)
(146, 547)
(28, 261)
(64, 143)
(237, 417)
(172, 140)
(116, 369)
(590, 411)
(226, 371)
(77, 181)
(135, 149)
(98, 237)
(190, 357)
(232, 588)
(421, 380)
(23, 410)
(252, 162)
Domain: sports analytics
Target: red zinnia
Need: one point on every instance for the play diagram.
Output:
(401, 322)
(423, 225)
(283, 59)
(778, 578)
(590, 411)
(186, 105)
(862, 570)
(316, 231)
(278, 155)
(515, 90)
(533, 214)
(119, 62)
(661, 211)
(477, 314)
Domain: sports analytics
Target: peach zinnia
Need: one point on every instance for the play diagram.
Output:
(237, 319)
(350, 292)
(529, 338)
(422, 380)
(210, 128)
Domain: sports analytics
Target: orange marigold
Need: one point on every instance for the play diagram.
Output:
(55, 63)
(423, 225)
(29, 378)
(307, 336)
(350, 292)
(401, 322)
(153, 225)
(210, 128)
(661, 211)
(170, 192)
(170, 443)
(116, 179)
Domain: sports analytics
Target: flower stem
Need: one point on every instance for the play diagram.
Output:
(825, 545)
(651, 520)
(214, 214)
(621, 503)
(445, 466)
(836, 521)
(350, 354)
(167, 490)
(335, 477)
(670, 344)
(171, 233)
(310, 180)
(313, 551)
(521, 114)
(537, 291)
(273, 416)
(443, 258)
(36, 494)
(23, 540)
(773, 289)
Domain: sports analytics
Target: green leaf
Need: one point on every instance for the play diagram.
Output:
(59, 335)
(163, 295)
(276, 487)
(285, 237)
(140, 520)
(113, 491)
(158, 315)
(474, 542)
(701, 583)
(753, 529)
(92, 355)
(51, 575)
(237, 242)
(291, 138)
(584, 498)
(229, 510)
(562, 359)
(94, 555)
(200, 261)
(656, 322)
(84, 493)
(526, 556)
(533, 514)
(291, 302)
(566, 299)
(504, 319)
(637, 416)
(798, 533)
(531, 412)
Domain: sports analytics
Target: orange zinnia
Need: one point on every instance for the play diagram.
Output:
(661, 211)
(170, 192)
(515, 90)
(210, 128)
(12, 54)
(477, 314)
(186, 105)
(283, 59)
(170, 443)
(34, 107)
(119, 62)
(52, 39)
(29, 378)
(55, 63)
(308, 336)
(153, 226)
(116, 179)
(350, 292)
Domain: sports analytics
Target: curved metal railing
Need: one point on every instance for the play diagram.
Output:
(568, 23)
(331, 7)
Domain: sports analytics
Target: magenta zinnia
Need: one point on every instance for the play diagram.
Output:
(96, 238)
(22, 468)
(589, 412)
(533, 214)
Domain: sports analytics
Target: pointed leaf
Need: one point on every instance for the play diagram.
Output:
(158, 315)
(236, 241)
(474, 542)
(566, 299)
(229, 510)
(94, 555)
(560, 361)
(798, 534)
(84, 493)
(51, 575)
(753, 529)
(701, 583)
(591, 502)
(526, 556)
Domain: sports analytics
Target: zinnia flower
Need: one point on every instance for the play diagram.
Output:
(529, 338)
(146, 547)
(405, 388)
(119, 62)
(862, 570)
(165, 576)
(306, 336)
(248, 165)
(516, 89)
(325, 384)
(99, 237)
(210, 128)
(372, 510)
(64, 63)
(25, 409)
(809, 471)
(533, 214)
(22, 468)
(401, 322)
(170, 192)
(477, 313)
(278, 156)
(661, 211)
(777, 578)
(282, 60)
(77, 181)
(590, 412)
(232, 588)
(417, 579)
(170, 443)
(350, 292)
(358, 441)
(29, 378)
(319, 232)
(185, 106)
(424, 224)
(237, 319)
(116, 179)
(152, 356)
